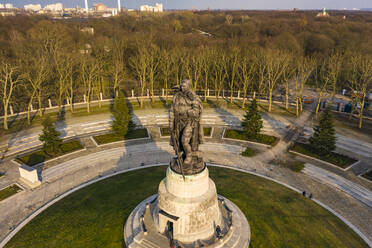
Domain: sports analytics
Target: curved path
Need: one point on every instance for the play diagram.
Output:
(101, 161)
(75, 172)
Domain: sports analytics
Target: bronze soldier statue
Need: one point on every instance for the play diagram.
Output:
(186, 131)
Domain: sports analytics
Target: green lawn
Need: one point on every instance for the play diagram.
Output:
(166, 132)
(112, 137)
(291, 163)
(94, 216)
(41, 156)
(9, 191)
(262, 138)
(82, 111)
(340, 160)
(368, 175)
(19, 124)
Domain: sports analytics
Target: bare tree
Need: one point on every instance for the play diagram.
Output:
(288, 75)
(232, 69)
(246, 69)
(276, 64)
(117, 69)
(219, 72)
(9, 78)
(334, 69)
(360, 78)
(53, 40)
(192, 64)
(139, 63)
(166, 67)
(153, 64)
(305, 66)
(90, 69)
(322, 81)
(71, 71)
(261, 70)
(206, 63)
(37, 72)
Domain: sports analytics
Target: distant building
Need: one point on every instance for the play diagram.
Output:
(100, 7)
(32, 7)
(2, 6)
(113, 11)
(323, 13)
(88, 30)
(58, 7)
(7, 12)
(9, 6)
(157, 8)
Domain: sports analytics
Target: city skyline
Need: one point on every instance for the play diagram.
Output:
(212, 4)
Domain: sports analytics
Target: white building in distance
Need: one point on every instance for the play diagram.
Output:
(9, 6)
(32, 7)
(2, 6)
(157, 8)
(54, 7)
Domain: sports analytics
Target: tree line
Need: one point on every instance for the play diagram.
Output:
(62, 61)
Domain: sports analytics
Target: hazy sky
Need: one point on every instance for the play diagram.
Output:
(214, 4)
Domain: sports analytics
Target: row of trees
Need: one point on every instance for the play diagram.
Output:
(54, 61)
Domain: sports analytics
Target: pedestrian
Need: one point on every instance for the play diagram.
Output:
(304, 193)
(311, 196)
(172, 244)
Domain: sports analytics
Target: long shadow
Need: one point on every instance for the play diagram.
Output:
(133, 149)
(229, 118)
(61, 122)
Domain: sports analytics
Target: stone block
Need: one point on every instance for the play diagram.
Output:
(29, 176)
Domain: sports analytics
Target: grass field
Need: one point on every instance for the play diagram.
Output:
(94, 216)
(39, 156)
(9, 191)
(112, 137)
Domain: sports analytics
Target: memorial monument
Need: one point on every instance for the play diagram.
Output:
(186, 212)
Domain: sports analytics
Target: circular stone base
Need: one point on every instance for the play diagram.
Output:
(140, 231)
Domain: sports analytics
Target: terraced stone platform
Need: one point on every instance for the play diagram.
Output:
(140, 232)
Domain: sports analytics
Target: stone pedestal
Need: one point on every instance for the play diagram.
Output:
(189, 205)
(188, 210)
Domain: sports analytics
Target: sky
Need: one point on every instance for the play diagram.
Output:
(212, 4)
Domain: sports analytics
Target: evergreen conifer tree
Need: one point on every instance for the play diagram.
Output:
(324, 138)
(121, 116)
(252, 122)
(50, 136)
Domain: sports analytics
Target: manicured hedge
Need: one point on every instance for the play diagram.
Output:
(249, 152)
(9, 191)
(41, 156)
(368, 175)
(340, 160)
(262, 138)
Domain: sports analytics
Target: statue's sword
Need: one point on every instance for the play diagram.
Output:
(178, 153)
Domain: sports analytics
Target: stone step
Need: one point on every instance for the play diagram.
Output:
(149, 244)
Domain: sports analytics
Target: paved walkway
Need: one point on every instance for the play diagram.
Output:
(337, 193)
(22, 141)
(340, 183)
(74, 172)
